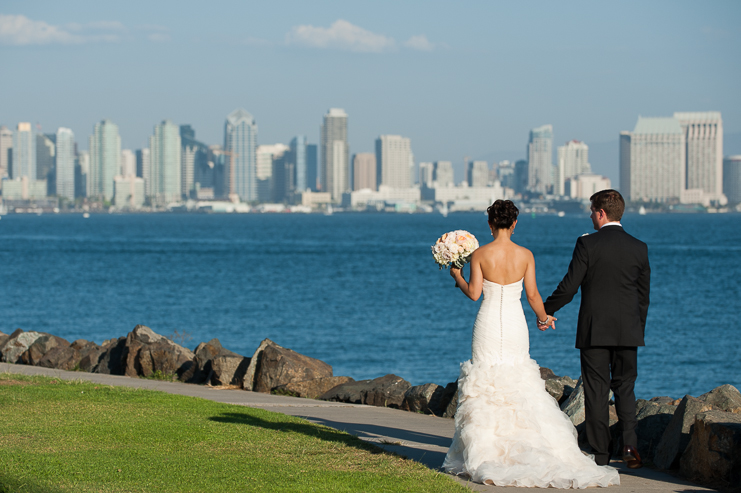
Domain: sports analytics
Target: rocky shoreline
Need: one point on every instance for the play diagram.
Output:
(699, 438)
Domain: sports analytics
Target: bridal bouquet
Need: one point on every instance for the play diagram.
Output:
(454, 248)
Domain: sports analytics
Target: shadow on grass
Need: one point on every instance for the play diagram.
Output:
(9, 484)
(308, 429)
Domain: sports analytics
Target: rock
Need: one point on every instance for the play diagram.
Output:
(546, 373)
(386, 391)
(89, 354)
(40, 347)
(449, 400)
(311, 389)
(676, 437)
(228, 370)
(275, 365)
(662, 400)
(652, 419)
(147, 353)
(249, 376)
(714, 450)
(202, 370)
(425, 398)
(3, 337)
(60, 358)
(724, 398)
(111, 360)
(16, 344)
(573, 407)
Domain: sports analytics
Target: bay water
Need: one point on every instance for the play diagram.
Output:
(359, 291)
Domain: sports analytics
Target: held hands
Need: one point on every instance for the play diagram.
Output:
(550, 321)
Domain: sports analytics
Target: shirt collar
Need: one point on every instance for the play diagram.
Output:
(611, 223)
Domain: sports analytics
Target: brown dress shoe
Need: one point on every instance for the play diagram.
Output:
(631, 457)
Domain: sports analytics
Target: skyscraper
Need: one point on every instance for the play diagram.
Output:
(425, 174)
(364, 171)
(82, 171)
(652, 160)
(65, 167)
(540, 159)
(164, 171)
(298, 158)
(6, 151)
(46, 150)
(573, 160)
(732, 179)
(128, 163)
(312, 167)
(393, 161)
(195, 171)
(240, 145)
(24, 152)
(265, 155)
(142, 168)
(105, 160)
(335, 154)
(703, 138)
(442, 174)
(477, 174)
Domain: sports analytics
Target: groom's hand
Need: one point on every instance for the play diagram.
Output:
(550, 321)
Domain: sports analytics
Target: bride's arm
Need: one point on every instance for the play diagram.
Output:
(473, 288)
(533, 296)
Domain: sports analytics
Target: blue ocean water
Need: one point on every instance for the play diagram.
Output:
(359, 291)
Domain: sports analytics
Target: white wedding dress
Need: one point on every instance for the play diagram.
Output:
(508, 430)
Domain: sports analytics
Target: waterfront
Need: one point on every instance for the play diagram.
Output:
(359, 291)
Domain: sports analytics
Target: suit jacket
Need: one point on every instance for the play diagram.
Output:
(611, 267)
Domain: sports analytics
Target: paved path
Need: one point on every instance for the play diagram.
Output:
(417, 436)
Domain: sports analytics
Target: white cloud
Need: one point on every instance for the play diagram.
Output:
(420, 43)
(19, 30)
(341, 35)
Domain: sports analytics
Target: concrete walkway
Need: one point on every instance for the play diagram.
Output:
(417, 436)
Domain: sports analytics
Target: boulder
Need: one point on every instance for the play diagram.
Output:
(676, 437)
(311, 389)
(663, 400)
(652, 419)
(547, 373)
(16, 344)
(449, 400)
(111, 360)
(714, 450)
(202, 370)
(573, 407)
(560, 388)
(724, 398)
(147, 353)
(40, 347)
(275, 365)
(386, 391)
(3, 337)
(425, 399)
(89, 354)
(228, 369)
(60, 358)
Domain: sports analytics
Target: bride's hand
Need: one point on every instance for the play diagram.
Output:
(455, 272)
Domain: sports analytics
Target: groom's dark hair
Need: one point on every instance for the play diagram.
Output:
(609, 201)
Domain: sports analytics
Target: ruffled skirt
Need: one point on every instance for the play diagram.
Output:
(510, 432)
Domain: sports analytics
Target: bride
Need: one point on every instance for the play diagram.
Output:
(508, 430)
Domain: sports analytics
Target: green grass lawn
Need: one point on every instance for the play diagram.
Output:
(76, 436)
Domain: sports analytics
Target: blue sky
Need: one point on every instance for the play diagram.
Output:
(464, 79)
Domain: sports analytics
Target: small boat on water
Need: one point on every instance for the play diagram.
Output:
(86, 215)
(642, 211)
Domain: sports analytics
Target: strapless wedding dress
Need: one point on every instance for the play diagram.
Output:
(508, 430)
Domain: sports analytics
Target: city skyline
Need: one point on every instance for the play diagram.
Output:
(393, 75)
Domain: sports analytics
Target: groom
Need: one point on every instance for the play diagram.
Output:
(611, 267)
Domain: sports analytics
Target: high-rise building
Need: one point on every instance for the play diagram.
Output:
(143, 160)
(195, 170)
(652, 159)
(128, 192)
(283, 178)
(46, 160)
(425, 174)
(521, 176)
(442, 174)
(240, 145)
(164, 167)
(573, 160)
(364, 171)
(105, 160)
(504, 171)
(265, 155)
(128, 163)
(335, 154)
(65, 167)
(732, 178)
(585, 185)
(703, 139)
(477, 174)
(82, 169)
(394, 160)
(6, 151)
(312, 167)
(24, 151)
(540, 159)
(298, 158)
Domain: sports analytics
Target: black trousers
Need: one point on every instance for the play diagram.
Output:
(603, 369)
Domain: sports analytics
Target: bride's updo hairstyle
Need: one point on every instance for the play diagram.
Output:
(502, 214)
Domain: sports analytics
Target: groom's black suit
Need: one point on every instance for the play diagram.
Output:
(612, 269)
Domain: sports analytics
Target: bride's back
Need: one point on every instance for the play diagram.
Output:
(503, 261)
